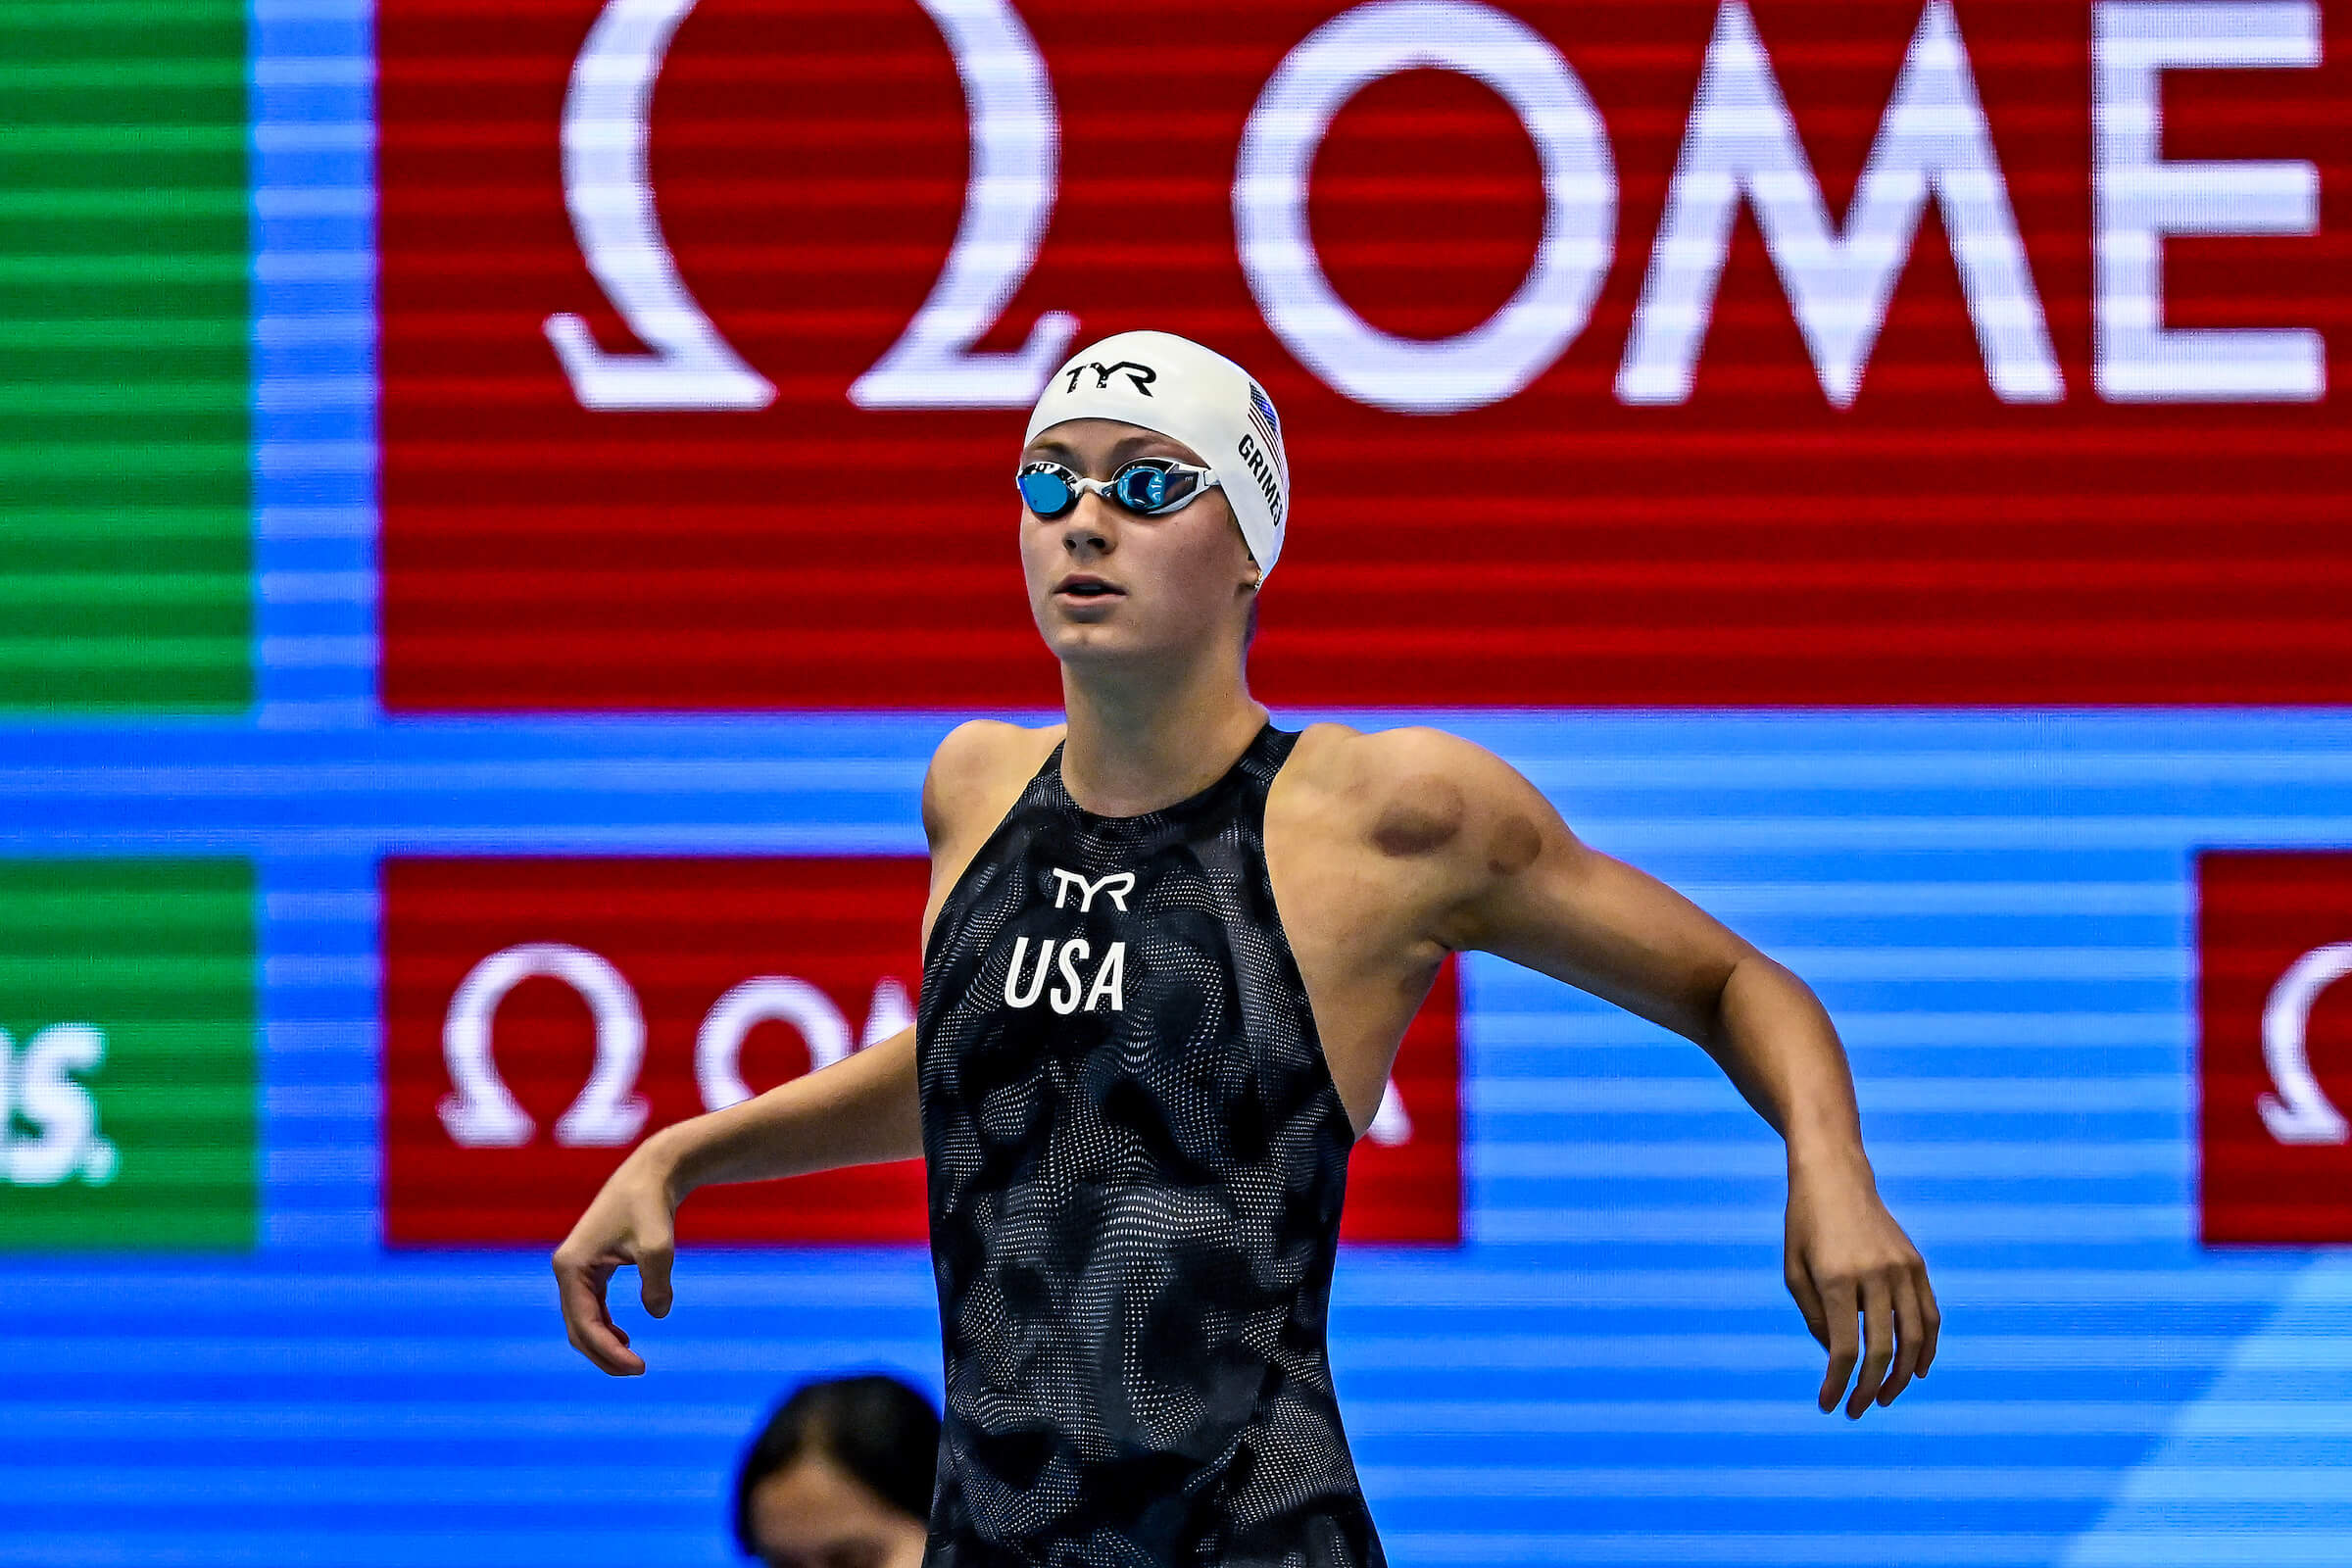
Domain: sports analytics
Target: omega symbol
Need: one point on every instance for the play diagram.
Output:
(482, 1112)
(2300, 1113)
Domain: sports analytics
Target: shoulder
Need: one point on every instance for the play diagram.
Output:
(1418, 791)
(1417, 769)
(978, 771)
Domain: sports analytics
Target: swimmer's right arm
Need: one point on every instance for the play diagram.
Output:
(860, 1111)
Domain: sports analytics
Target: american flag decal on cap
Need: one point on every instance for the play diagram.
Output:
(1262, 419)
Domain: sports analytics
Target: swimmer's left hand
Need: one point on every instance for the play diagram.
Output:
(1846, 1259)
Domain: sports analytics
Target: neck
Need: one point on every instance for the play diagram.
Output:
(1141, 738)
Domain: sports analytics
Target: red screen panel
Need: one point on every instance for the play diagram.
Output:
(542, 1015)
(2275, 997)
(1841, 467)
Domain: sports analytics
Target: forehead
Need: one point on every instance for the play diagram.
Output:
(1103, 444)
(812, 1505)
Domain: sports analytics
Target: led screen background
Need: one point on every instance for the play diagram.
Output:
(2054, 1036)
(1952, 420)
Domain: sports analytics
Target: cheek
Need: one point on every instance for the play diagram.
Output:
(1036, 545)
(1201, 560)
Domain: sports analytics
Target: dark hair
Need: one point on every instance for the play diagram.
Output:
(875, 1427)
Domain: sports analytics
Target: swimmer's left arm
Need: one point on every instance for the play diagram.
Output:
(1516, 882)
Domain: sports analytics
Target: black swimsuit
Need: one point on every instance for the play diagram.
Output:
(1136, 1158)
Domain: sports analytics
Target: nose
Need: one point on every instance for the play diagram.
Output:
(1088, 527)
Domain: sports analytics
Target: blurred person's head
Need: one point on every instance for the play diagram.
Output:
(841, 1476)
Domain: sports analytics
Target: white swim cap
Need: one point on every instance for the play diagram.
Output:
(1190, 394)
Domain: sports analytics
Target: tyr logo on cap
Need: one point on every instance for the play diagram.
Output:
(1143, 375)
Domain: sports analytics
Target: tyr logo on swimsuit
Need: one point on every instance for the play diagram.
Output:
(1116, 886)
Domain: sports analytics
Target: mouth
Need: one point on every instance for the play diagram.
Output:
(1083, 588)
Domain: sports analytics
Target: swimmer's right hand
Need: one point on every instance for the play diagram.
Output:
(631, 1221)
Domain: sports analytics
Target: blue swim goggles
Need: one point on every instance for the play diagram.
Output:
(1149, 487)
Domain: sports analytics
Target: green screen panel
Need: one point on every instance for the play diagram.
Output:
(126, 489)
(127, 1059)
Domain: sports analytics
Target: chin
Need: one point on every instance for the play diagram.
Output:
(1098, 643)
(1093, 645)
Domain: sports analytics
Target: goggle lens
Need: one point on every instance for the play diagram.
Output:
(1139, 489)
(1047, 492)
(1144, 487)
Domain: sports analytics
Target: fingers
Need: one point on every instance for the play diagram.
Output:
(1878, 1339)
(1908, 1330)
(1895, 1342)
(1808, 1302)
(1837, 1306)
(653, 1278)
(1930, 1321)
(587, 1322)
